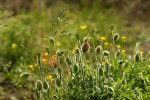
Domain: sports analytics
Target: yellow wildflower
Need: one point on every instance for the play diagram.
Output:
(75, 50)
(141, 52)
(123, 51)
(31, 67)
(14, 45)
(123, 38)
(69, 73)
(35, 65)
(106, 43)
(46, 54)
(103, 38)
(82, 27)
(54, 57)
(118, 46)
(44, 60)
(103, 62)
(49, 77)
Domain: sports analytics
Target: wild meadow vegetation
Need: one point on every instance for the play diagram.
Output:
(64, 52)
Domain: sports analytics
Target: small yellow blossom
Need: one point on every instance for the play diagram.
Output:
(69, 73)
(118, 46)
(44, 60)
(75, 50)
(141, 52)
(103, 62)
(106, 43)
(35, 65)
(123, 51)
(123, 38)
(54, 57)
(82, 27)
(31, 67)
(46, 54)
(14, 45)
(49, 77)
(103, 38)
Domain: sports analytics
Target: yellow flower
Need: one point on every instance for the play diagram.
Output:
(75, 50)
(123, 38)
(69, 73)
(35, 65)
(46, 54)
(103, 38)
(44, 60)
(123, 51)
(82, 27)
(141, 52)
(31, 67)
(106, 43)
(54, 57)
(118, 46)
(49, 77)
(14, 45)
(103, 62)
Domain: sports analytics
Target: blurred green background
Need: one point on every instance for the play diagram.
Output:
(28, 23)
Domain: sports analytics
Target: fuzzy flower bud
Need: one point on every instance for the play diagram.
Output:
(45, 85)
(98, 49)
(59, 52)
(39, 85)
(137, 57)
(58, 82)
(116, 37)
(85, 39)
(68, 61)
(85, 47)
(51, 40)
(106, 53)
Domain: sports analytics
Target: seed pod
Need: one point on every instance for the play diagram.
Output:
(138, 57)
(59, 52)
(38, 85)
(68, 61)
(45, 85)
(98, 49)
(106, 53)
(116, 37)
(51, 40)
(85, 47)
(58, 82)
